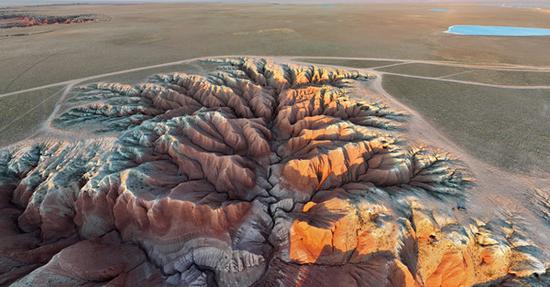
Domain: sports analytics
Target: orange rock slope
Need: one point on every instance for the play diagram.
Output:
(256, 174)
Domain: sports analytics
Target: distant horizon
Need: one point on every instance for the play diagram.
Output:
(8, 3)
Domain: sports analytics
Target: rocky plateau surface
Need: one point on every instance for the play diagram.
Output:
(257, 174)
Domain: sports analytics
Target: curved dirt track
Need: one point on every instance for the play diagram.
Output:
(288, 58)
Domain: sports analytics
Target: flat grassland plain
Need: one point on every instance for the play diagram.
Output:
(142, 35)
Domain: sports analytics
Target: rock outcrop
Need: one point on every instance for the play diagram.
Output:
(11, 19)
(258, 174)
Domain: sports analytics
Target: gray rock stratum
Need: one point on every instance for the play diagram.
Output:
(256, 174)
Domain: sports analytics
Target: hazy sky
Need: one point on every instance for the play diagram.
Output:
(33, 2)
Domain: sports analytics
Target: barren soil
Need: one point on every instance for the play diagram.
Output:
(141, 35)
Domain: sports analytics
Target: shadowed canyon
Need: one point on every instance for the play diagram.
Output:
(256, 172)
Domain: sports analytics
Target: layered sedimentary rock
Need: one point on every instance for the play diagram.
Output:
(258, 174)
(10, 19)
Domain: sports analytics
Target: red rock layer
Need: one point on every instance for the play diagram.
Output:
(256, 174)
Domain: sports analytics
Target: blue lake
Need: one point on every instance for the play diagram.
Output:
(475, 30)
(439, 9)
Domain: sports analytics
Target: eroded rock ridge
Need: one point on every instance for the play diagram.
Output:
(257, 174)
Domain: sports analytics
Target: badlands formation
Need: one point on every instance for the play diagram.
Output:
(14, 19)
(258, 173)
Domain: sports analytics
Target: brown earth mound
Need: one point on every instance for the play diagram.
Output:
(259, 174)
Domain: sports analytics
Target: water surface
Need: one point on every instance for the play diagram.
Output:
(479, 30)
